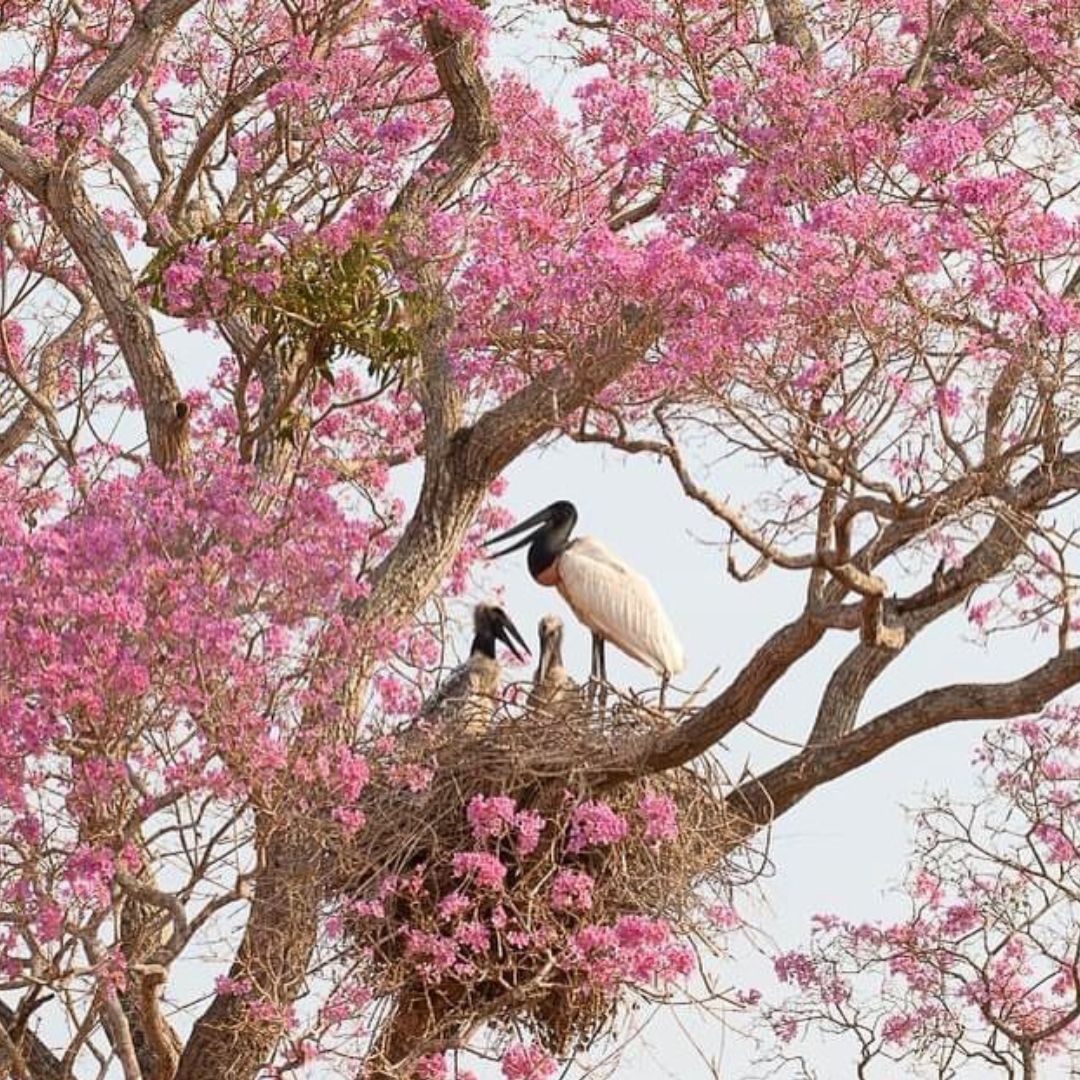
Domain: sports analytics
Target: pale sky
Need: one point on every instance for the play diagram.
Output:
(845, 844)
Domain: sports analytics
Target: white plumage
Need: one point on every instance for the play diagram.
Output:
(616, 603)
(619, 605)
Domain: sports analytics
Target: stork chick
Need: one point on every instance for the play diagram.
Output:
(554, 693)
(470, 693)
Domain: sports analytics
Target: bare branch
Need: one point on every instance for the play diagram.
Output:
(724, 713)
(780, 788)
(211, 130)
(149, 28)
(126, 313)
(553, 397)
(20, 1047)
(40, 397)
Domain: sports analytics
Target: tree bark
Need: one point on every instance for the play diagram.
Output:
(227, 1043)
(128, 316)
(791, 27)
(22, 1052)
(759, 801)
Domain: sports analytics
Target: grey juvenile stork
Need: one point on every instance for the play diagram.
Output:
(554, 693)
(470, 693)
(615, 602)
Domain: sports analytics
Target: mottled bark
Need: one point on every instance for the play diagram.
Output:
(149, 29)
(227, 1043)
(791, 26)
(22, 1053)
(127, 314)
(143, 926)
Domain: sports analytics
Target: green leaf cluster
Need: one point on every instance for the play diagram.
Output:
(327, 304)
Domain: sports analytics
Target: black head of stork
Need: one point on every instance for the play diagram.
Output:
(491, 623)
(550, 535)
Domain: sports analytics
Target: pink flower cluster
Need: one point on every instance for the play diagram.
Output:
(595, 824)
(482, 868)
(637, 949)
(528, 1063)
(497, 816)
(661, 817)
(572, 891)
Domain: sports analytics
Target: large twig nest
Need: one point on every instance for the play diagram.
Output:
(529, 911)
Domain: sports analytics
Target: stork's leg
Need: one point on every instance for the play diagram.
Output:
(599, 667)
(663, 687)
(597, 674)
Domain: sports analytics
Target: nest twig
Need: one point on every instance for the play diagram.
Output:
(397, 883)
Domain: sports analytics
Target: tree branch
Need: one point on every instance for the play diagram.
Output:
(791, 27)
(209, 133)
(761, 800)
(721, 715)
(455, 159)
(20, 166)
(129, 319)
(274, 955)
(39, 399)
(36, 1059)
(549, 400)
(149, 28)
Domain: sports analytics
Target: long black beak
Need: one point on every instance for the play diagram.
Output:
(508, 634)
(539, 518)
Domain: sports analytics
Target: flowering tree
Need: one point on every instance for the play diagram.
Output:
(838, 240)
(983, 977)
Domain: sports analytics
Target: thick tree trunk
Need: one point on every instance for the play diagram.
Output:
(1027, 1056)
(228, 1042)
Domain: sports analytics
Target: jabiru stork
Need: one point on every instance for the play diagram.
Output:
(471, 692)
(613, 601)
(554, 693)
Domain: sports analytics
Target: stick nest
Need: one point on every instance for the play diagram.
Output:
(395, 880)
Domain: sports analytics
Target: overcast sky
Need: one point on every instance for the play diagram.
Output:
(845, 844)
(843, 847)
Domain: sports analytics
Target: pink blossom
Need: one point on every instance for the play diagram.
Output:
(529, 825)
(572, 891)
(230, 987)
(431, 1067)
(528, 1063)
(1059, 847)
(454, 904)
(491, 817)
(411, 777)
(661, 817)
(482, 868)
(795, 967)
(724, 917)
(595, 824)
(473, 935)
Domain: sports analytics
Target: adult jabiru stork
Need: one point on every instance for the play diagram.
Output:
(471, 692)
(554, 693)
(615, 602)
